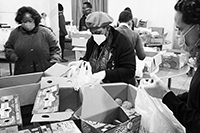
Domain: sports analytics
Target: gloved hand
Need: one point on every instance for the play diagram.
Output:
(13, 57)
(154, 87)
(98, 77)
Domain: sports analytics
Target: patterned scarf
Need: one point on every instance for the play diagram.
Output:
(101, 55)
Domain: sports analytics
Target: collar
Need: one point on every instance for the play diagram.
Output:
(123, 24)
(29, 32)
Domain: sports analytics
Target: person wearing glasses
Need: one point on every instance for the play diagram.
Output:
(33, 48)
(186, 106)
(86, 10)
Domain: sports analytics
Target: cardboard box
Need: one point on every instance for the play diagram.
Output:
(68, 97)
(51, 117)
(47, 100)
(79, 52)
(22, 79)
(30, 78)
(152, 62)
(12, 129)
(98, 106)
(59, 127)
(57, 70)
(80, 39)
(10, 113)
(174, 59)
(65, 127)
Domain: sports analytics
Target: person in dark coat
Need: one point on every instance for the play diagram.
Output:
(125, 23)
(86, 10)
(33, 48)
(186, 106)
(62, 29)
(109, 52)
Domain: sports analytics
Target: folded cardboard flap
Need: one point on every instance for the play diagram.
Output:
(95, 101)
(50, 117)
(63, 82)
(47, 100)
(27, 92)
(22, 79)
(57, 69)
(152, 61)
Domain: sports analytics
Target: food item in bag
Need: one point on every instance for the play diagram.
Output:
(127, 105)
(118, 101)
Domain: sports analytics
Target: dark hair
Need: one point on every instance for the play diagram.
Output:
(60, 7)
(190, 10)
(125, 16)
(25, 9)
(128, 9)
(88, 4)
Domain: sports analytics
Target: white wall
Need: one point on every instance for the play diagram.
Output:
(159, 13)
(9, 8)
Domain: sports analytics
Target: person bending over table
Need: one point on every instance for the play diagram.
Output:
(109, 52)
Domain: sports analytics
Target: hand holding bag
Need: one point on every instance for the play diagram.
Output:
(156, 117)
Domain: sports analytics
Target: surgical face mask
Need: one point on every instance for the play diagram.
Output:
(29, 26)
(192, 49)
(99, 38)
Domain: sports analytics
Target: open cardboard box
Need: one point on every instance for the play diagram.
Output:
(152, 62)
(174, 59)
(68, 97)
(58, 127)
(100, 108)
(80, 39)
(57, 70)
(30, 78)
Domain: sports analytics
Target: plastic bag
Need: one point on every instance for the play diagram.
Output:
(156, 117)
(82, 74)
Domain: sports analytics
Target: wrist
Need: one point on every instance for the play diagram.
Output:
(165, 92)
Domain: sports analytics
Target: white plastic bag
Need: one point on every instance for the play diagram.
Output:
(156, 117)
(81, 73)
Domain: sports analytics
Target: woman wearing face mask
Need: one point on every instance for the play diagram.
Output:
(33, 48)
(186, 106)
(110, 53)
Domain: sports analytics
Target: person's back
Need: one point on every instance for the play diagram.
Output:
(86, 10)
(125, 19)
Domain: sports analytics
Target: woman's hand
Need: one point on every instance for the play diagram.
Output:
(155, 86)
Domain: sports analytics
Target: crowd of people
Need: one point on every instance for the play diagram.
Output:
(111, 51)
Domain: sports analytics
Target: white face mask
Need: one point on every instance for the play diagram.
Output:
(186, 47)
(29, 26)
(99, 38)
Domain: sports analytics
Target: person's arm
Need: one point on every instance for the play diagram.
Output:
(62, 24)
(54, 48)
(139, 48)
(9, 48)
(183, 97)
(126, 62)
(188, 117)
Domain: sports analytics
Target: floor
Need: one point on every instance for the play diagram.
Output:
(179, 84)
